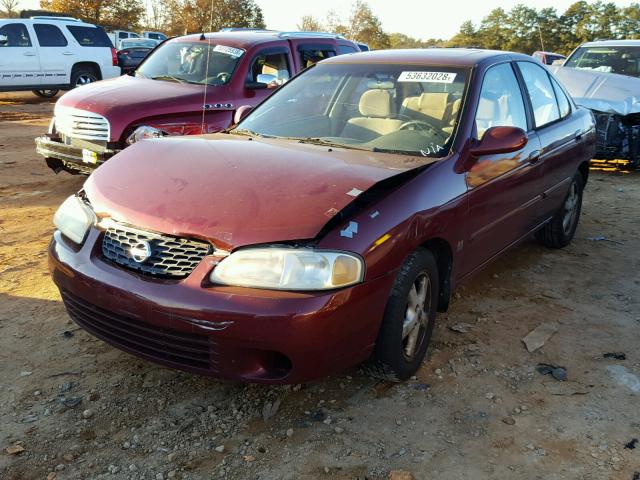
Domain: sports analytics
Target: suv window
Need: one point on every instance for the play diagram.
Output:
(342, 49)
(123, 35)
(543, 99)
(275, 64)
(49, 35)
(89, 36)
(501, 103)
(310, 56)
(17, 35)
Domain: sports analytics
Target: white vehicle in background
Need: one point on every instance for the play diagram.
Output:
(116, 36)
(48, 54)
(155, 36)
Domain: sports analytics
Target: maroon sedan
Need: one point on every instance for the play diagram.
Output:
(329, 226)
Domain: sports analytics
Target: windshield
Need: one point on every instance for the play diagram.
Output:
(621, 60)
(138, 44)
(191, 62)
(402, 109)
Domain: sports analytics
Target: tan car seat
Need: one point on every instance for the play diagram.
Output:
(430, 104)
(375, 107)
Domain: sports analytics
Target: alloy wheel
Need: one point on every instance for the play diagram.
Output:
(85, 79)
(416, 315)
(570, 208)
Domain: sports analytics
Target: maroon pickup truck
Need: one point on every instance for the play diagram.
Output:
(188, 85)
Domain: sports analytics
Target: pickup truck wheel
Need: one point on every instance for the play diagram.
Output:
(559, 231)
(83, 76)
(408, 320)
(45, 93)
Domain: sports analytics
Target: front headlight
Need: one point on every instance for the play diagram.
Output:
(289, 269)
(74, 218)
(143, 132)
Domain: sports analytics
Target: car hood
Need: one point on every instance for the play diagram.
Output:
(234, 190)
(601, 91)
(126, 99)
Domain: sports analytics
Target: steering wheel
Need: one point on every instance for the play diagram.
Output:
(420, 125)
(223, 77)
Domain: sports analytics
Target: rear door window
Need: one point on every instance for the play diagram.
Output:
(89, 36)
(563, 101)
(310, 55)
(541, 94)
(17, 35)
(49, 35)
(342, 49)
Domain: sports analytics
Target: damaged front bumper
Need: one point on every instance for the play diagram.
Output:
(71, 158)
(618, 138)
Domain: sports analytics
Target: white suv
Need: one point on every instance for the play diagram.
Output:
(47, 54)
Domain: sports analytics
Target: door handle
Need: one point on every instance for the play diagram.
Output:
(68, 53)
(534, 157)
(29, 54)
(578, 134)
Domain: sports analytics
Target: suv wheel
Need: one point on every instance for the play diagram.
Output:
(559, 231)
(408, 319)
(45, 93)
(83, 76)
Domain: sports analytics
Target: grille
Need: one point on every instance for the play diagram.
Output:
(80, 124)
(180, 349)
(167, 257)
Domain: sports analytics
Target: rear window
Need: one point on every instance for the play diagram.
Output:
(89, 36)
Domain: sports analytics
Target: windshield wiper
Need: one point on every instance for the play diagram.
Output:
(170, 78)
(248, 133)
(322, 141)
(418, 153)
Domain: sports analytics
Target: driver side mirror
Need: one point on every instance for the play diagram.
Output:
(241, 112)
(4, 40)
(263, 80)
(498, 140)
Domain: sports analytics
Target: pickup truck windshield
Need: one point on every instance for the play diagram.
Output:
(400, 109)
(620, 60)
(191, 62)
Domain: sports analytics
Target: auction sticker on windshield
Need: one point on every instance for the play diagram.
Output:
(234, 52)
(431, 77)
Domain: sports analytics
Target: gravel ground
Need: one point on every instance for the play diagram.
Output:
(72, 407)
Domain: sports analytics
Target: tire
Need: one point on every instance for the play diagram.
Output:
(559, 231)
(83, 76)
(394, 358)
(46, 93)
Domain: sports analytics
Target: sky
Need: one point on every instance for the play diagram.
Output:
(421, 19)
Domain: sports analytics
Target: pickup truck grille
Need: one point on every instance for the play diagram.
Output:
(80, 124)
(166, 257)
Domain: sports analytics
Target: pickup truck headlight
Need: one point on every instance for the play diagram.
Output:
(289, 269)
(143, 132)
(74, 218)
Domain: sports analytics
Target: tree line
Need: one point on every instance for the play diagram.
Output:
(521, 29)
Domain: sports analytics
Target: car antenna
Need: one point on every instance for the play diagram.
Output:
(541, 41)
(206, 68)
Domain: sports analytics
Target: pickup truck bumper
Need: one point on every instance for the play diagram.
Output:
(60, 156)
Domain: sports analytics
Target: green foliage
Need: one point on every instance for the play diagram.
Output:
(525, 29)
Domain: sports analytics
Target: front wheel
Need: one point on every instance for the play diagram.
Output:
(408, 320)
(47, 93)
(559, 231)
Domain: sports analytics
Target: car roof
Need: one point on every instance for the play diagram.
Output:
(612, 43)
(65, 21)
(462, 57)
(248, 38)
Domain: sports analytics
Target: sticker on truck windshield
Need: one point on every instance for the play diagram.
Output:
(234, 52)
(430, 77)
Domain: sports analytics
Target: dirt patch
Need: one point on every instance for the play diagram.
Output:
(74, 408)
